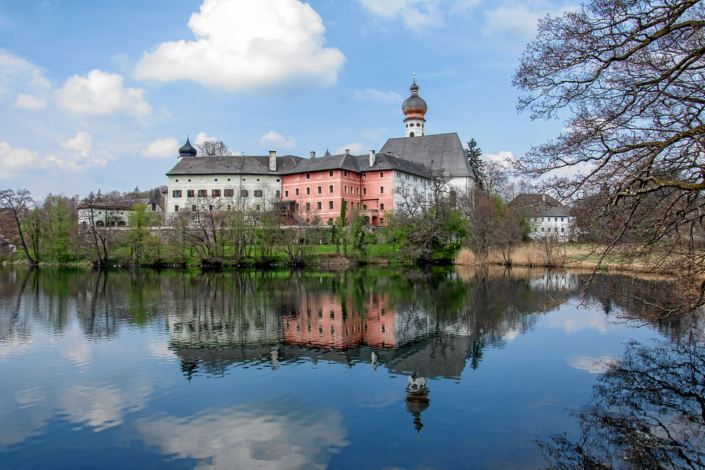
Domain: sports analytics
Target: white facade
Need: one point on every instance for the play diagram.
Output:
(414, 127)
(244, 192)
(104, 217)
(410, 183)
(559, 228)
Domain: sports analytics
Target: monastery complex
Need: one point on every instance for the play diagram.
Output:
(316, 188)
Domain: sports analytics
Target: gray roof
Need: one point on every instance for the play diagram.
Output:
(333, 162)
(445, 150)
(359, 164)
(391, 162)
(250, 165)
(540, 205)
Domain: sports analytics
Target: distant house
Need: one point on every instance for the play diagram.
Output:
(6, 247)
(547, 217)
(103, 215)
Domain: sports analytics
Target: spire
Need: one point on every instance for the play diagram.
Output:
(327, 154)
(187, 150)
(414, 109)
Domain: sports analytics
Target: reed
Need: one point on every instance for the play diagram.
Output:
(465, 257)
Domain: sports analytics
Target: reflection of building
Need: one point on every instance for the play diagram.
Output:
(417, 399)
(324, 322)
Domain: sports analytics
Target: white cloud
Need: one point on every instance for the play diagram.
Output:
(102, 406)
(81, 154)
(278, 140)
(203, 137)
(243, 44)
(354, 147)
(18, 75)
(15, 159)
(29, 102)
(259, 437)
(591, 364)
(517, 20)
(101, 93)
(378, 96)
(161, 148)
(504, 158)
(415, 14)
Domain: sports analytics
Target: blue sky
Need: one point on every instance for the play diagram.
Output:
(100, 94)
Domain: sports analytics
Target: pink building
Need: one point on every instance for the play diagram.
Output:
(320, 322)
(365, 184)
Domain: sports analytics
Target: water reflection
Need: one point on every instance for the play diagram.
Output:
(647, 411)
(306, 364)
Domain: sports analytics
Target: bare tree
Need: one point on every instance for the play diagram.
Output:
(629, 76)
(213, 149)
(17, 203)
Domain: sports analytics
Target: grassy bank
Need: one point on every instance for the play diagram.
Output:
(536, 255)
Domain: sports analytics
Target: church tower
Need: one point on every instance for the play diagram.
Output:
(414, 109)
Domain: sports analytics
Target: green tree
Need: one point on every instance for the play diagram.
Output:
(342, 233)
(359, 240)
(474, 154)
(141, 241)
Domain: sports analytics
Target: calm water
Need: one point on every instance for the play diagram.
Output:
(285, 370)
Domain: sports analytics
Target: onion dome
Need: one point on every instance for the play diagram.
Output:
(414, 106)
(187, 150)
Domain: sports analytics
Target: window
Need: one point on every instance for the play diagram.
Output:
(297, 191)
(177, 181)
(332, 315)
(320, 314)
(381, 174)
(297, 207)
(210, 207)
(228, 179)
(258, 180)
(357, 190)
(189, 193)
(330, 204)
(562, 230)
(364, 207)
(308, 176)
(286, 193)
(193, 208)
(202, 193)
(330, 189)
(215, 193)
(320, 205)
(257, 207)
(278, 194)
(330, 173)
(229, 192)
(381, 221)
(176, 208)
(364, 176)
(258, 193)
(189, 181)
(381, 207)
(346, 189)
(556, 219)
(243, 193)
(308, 191)
(176, 193)
(308, 206)
(384, 329)
(215, 179)
(381, 189)
(364, 191)
(320, 189)
(562, 219)
(345, 174)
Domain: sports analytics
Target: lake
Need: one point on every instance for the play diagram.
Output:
(377, 368)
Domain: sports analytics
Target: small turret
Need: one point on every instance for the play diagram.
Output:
(187, 150)
(414, 108)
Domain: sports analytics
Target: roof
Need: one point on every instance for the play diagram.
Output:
(359, 164)
(248, 165)
(391, 162)
(540, 205)
(188, 150)
(437, 152)
(333, 162)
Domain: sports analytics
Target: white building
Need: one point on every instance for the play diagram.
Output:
(547, 217)
(104, 215)
(226, 182)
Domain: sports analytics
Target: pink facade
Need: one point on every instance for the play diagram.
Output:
(321, 193)
(320, 323)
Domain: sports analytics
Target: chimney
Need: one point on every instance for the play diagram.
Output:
(372, 158)
(347, 151)
(543, 198)
(313, 155)
(272, 160)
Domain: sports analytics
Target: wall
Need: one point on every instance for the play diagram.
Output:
(559, 227)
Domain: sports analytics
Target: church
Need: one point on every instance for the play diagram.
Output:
(315, 189)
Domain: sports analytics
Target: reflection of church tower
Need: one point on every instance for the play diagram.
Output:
(417, 399)
(414, 109)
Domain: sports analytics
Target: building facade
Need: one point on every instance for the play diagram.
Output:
(546, 216)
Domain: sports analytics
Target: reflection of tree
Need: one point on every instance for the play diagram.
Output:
(648, 411)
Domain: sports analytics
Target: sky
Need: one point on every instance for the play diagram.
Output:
(101, 94)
